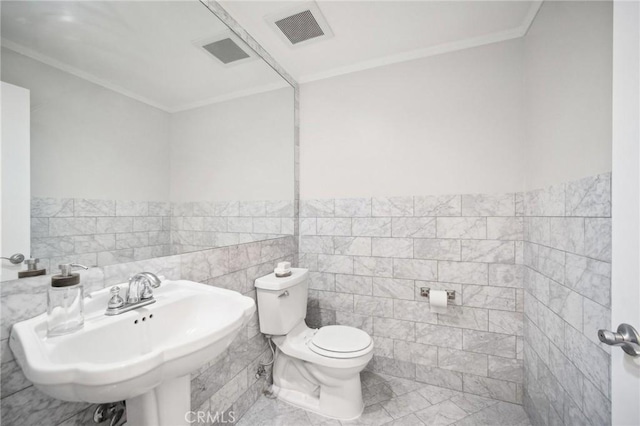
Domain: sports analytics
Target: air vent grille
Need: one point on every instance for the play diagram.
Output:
(226, 51)
(300, 27)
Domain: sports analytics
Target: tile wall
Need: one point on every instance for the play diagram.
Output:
(226, 383)
(567, 253)
(369, 258)
(107, 232)
(199, 225)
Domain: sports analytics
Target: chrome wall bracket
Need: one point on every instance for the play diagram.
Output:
(424, 292)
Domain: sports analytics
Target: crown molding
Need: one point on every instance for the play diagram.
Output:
(54, 63)
(440, 49)
(231, 96)
(47, 60)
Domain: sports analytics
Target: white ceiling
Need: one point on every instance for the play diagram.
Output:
(374, 33)
(142, 49)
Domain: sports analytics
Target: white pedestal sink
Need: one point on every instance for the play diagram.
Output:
(144, 356)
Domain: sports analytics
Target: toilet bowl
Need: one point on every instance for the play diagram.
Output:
(314, 369)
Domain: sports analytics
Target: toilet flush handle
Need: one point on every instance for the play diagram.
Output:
(284, 293)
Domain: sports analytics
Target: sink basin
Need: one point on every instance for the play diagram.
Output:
(144, 356)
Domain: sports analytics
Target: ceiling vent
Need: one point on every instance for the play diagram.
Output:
(300, 26)
(225, 48)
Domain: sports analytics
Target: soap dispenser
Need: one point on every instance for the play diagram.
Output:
(32, 269)
(65, 302)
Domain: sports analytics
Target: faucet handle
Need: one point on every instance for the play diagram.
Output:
(116, 301)
(146, 293)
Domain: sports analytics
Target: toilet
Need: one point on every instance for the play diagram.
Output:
(314, 369)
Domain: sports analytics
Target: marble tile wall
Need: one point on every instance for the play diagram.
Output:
(98, 232)
(107, 232)
(225, 383)
(199, 225)
(567, 282)
(369, 257)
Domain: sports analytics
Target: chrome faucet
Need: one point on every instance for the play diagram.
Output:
(139, 293)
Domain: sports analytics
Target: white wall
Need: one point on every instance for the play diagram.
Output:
(445, 124)
(91, 142)
(15, 223)
(236, 150)
(568, 57)
(88, 141)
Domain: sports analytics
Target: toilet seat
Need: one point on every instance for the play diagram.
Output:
(298, 344)
(339, 341)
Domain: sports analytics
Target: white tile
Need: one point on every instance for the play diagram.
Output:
(436, 249)
(425, 270)
(589, 197)
(502, 275)
(461, 361)
(371, 227)
(353, 207)
(505, 322)
(438, 377)
(589, 277)
(378, 306)
(506, 369)
(335, 263)
(414, 227)
(392, 247)
(480, 296)
(395, 329)
(505, 228)
(488, 205)
(438, 335)
(51, 207)
(86, 207)
(317, 208)
(392, 206)
(441, 414)
(373, 266)
(393, 288)
(503, 345)
(438, 205)
(461, 227)
(412, 310)
(488, 251)
(491, 388)
(463, 272)
(597, 239)
(416, 353)
(464, 317)
(333, 226)
(354, 284)
(549, 201)
(405, 404)
(355, 246)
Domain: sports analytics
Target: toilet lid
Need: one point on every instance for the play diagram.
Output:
(340, 338)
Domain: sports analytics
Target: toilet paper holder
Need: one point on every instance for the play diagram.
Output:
(424, 292)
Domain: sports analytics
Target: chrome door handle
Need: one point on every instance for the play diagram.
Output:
(626, 337)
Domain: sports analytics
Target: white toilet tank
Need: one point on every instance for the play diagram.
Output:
(282, 301)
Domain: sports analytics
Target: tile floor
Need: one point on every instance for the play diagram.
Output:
(393, 401)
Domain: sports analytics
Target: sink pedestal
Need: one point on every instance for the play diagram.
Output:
(166, 405)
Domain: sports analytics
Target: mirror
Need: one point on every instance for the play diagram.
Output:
(154, 130)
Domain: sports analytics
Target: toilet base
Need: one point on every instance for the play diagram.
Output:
(306, 402)
(329, 391)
